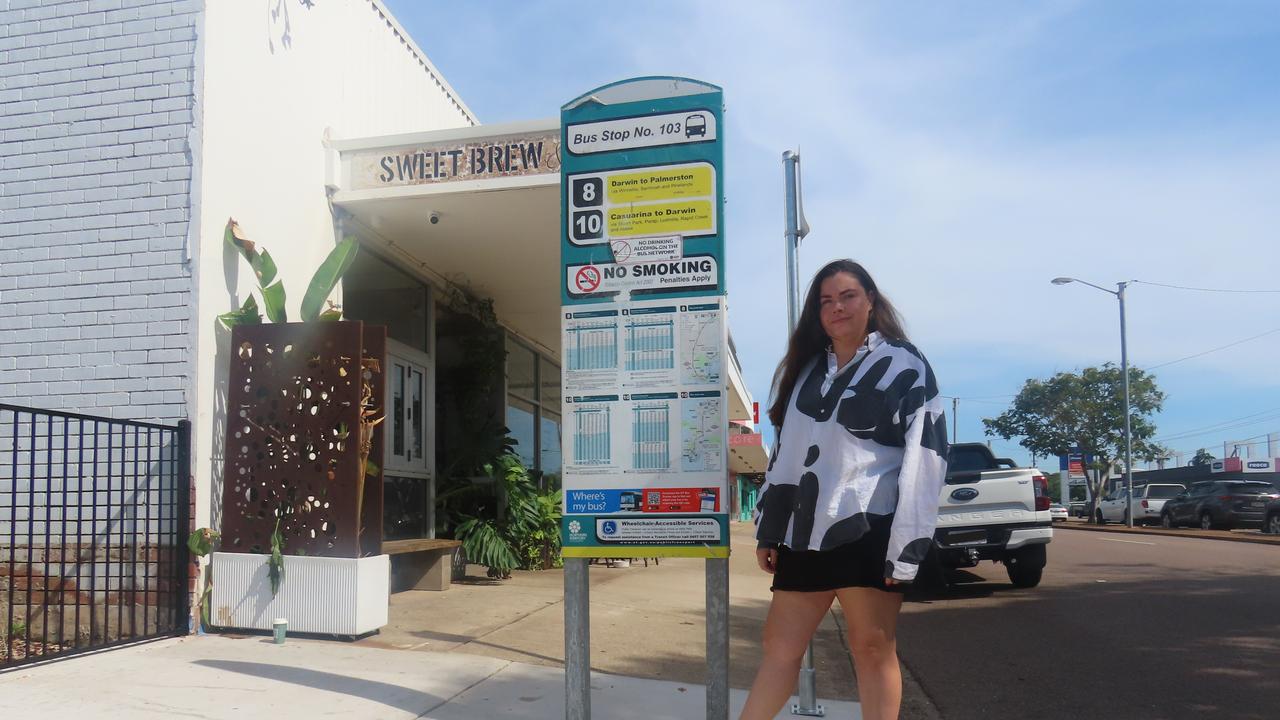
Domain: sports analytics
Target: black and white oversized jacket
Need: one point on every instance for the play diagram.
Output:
(864, 440)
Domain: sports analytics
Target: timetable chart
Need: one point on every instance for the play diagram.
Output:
(651, 343)
(592, 439)
(651, 436)
(592, 345)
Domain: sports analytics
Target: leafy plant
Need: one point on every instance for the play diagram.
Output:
(540, 546)
(508, 523)
(325, 279)
(201, 542)
(275, 564)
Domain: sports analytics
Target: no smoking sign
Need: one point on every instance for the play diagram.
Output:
(587, 279)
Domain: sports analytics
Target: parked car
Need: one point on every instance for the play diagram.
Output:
(1271, 521)
(1057, 513)
(1212, 504)
(1078, 509)
(1148, 501)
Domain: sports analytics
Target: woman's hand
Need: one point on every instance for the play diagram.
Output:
(767, 559)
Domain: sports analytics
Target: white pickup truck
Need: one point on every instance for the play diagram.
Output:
(989, 509)
(1148, 501)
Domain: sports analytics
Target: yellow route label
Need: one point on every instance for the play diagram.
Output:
(661, 183)
(688, 217)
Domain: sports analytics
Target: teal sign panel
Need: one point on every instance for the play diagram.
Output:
(642, 190)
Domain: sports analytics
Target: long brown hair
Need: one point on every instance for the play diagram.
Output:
(809, 338)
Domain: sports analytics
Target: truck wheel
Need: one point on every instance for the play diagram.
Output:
(1025, 577)
(1026, 565)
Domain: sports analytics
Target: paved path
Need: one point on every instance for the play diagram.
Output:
(222, 678)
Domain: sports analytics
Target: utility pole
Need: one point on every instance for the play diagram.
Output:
(955, 418)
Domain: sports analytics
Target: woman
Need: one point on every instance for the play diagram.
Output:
(850, 499)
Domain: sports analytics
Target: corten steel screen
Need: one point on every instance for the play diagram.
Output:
(293, 411)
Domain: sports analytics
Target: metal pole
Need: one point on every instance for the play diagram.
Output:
(717, 638)
(1128, 437)
(955, 418)
(791, 169)
(577, 640)
(807, 682)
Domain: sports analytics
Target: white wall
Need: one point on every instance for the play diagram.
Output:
(272, 87)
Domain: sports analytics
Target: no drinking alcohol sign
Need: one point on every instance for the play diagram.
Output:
(643, 333)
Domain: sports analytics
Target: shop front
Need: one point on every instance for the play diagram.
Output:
(459, 232)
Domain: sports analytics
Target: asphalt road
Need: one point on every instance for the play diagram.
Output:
(1134, 626)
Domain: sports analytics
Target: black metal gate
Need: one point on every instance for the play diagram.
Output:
(93, 526)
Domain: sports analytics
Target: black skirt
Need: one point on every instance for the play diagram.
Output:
(860, 563)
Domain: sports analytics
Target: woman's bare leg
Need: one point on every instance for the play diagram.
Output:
(872, 617)
(793, 616)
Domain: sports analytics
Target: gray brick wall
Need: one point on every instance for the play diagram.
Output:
(96, 103)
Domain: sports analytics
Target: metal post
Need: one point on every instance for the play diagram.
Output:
(577, 640)
(791, 169)
(796, 229)
(955, 418)
(1128, 437)
(717, 638)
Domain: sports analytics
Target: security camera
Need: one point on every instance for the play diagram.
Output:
(435, 218)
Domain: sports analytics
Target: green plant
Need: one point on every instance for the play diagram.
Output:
(275, 563)
(17, 628)
(540, 545)
(201, 542)
(322, 283)
(507, 523)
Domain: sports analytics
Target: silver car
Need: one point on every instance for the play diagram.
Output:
(1148, 500)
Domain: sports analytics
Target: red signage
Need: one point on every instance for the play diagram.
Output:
(745, 440)
(685, 500)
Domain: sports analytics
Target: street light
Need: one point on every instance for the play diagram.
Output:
(1124, 370)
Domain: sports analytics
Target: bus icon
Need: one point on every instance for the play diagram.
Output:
(695, 125)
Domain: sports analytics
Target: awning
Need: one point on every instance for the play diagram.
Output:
(479, 207)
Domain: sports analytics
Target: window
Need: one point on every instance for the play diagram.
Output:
(408, 403)
(521, 426)
(378, 293)
(533, 407)
(1249, 488)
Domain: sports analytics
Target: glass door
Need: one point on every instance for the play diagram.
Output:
(410, 403)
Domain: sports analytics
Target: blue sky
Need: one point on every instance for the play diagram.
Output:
(966, 153)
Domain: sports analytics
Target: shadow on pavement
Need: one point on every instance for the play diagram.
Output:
(396, 696)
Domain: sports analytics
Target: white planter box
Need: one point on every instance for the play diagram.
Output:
(336, 596)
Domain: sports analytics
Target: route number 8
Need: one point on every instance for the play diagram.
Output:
(588, 192)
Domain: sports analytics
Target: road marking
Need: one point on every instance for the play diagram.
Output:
(1131, 542)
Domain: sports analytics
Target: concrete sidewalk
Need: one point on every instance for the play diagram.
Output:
(225, 678)
(646, 622)
(482, 649)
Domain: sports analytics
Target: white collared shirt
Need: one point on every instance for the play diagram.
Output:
(862, 440)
